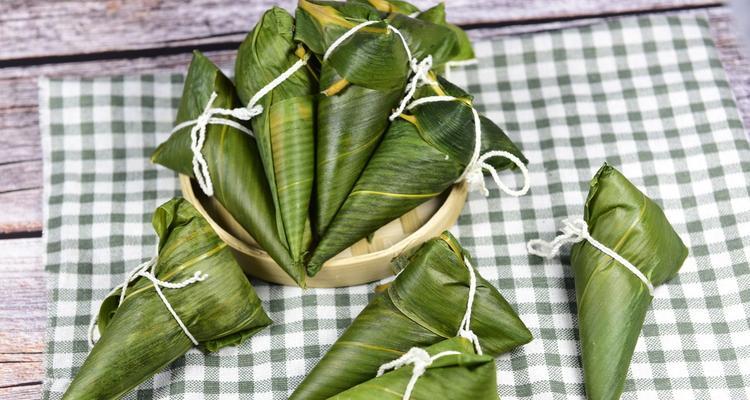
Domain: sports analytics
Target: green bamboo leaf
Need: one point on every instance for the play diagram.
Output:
(350, 126)
(423, 306)
(461, 376)
(141, 337)
(234, 162)
(390, 6)
(463, 49)
(612, 301)
(420, 156)
(285, 131)
(362, 81)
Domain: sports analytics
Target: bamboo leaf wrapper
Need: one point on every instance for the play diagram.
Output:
(141, 337)
(612, 301)
(285, 132)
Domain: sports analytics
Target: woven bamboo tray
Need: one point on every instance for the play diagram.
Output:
(361, 263)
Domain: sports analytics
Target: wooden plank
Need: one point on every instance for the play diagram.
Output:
(22, 298)
(21, 175)
(21, 212)
(22, 318)
(43, 28)
(734, 57)
(22, 392)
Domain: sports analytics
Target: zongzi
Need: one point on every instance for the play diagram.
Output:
(624, 247)
(285, 130)
(462, 49)
(195, 292)
(424, 305)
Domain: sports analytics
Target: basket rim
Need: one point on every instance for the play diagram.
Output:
(448, 210)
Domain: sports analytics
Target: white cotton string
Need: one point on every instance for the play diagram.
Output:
(403, 41)
(464, 330)
(147, 270)
(575, 231)
(421, 361)
(341, 39)
(473, 174)
(453, 64)
(200, 124)
(278, 81)
(420, 70)
(198, 135)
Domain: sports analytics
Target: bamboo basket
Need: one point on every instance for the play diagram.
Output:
(363, 262)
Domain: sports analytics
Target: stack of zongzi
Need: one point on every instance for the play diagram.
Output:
(338, 122)
(306, 152)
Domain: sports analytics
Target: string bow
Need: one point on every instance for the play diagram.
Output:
(147, 270)
(420, 360)
(576, 230)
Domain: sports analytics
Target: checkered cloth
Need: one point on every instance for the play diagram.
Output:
(647, 95)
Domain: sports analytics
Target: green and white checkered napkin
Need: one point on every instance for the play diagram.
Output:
(646, 94)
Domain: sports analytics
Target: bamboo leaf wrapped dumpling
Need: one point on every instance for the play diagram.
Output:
(456, 372)
(423, 153)
(285, 130)
(424, 305)
(140, 336)
(612, 299)
(233, 161)
(362, 79)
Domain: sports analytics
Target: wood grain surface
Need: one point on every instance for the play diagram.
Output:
(34, 29)
(85, 38)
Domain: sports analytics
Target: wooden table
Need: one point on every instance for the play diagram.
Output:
(80, 37)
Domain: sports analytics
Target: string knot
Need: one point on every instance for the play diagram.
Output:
(420, 71)
(417, 356)
(575, 230)
(420, 359)
(147, 270)
(475, 179)
(247, 113)
(209, 116)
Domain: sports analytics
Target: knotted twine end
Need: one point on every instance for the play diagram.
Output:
(420, 360)
(474, 172)
(207, 117)
(576, 230)
(146, 270)
(198, 135)
(420, 70)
